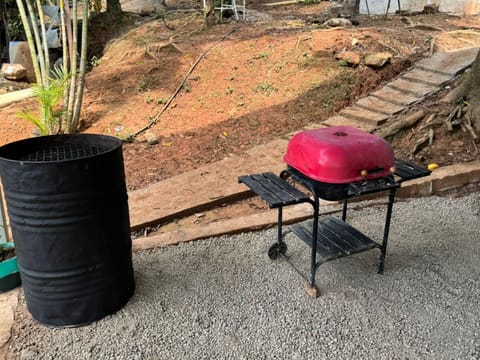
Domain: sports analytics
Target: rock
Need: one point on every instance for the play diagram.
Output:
(377, 59)
(430, 9)
(13, 72)
(151, 138)
(142, 7)
(336, 22)
(457, 143)
(20, 54)
(350, 57)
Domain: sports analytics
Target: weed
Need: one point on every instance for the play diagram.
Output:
(186, 87)
(229, 90)
(162, 101)
(94, 61)
(307, 60)
(263, 56)
(127, 136)
(266, 88)
(341, 87)
(144, 83)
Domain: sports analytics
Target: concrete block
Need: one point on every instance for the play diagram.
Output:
(449, 180)
(415, 188)
(364, 115)
(451, 63)
(375, 104)
(395, 97)
(427, 77)
(415, 88)
(343, 121)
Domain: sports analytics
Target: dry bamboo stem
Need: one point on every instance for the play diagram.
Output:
(38, 44)
(73, 69)
(31, 43)
(44, 45)
(83, 68)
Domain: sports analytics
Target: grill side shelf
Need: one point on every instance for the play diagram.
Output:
(407, 170)
(273, 189)
(335, 238)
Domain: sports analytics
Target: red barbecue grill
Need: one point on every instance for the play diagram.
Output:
(335, 163)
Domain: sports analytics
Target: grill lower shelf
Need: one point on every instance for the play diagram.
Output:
(335, 238)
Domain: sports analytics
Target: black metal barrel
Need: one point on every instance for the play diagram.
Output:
(67, 204)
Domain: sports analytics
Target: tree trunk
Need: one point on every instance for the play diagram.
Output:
(469, 91)
(209, 12)
(113, 7)
(4, 41)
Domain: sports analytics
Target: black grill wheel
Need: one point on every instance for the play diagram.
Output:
(277, 249)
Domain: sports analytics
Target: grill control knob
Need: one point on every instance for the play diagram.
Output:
(392, 170)
(364, 173)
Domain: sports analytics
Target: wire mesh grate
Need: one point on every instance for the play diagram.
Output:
(64, 152)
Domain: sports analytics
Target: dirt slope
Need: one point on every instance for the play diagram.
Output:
(259, 80)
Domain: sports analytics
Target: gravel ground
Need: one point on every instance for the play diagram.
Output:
(222, 298)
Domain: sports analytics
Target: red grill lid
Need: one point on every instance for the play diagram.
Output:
(339, 155)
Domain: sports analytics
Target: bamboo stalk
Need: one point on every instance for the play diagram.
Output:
(65, 61)
(38, 43)
(30, 41)
(83, 68)
(73, 67)
(44, 45)
(68, 22)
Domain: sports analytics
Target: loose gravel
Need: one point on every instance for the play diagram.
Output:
(223, 298)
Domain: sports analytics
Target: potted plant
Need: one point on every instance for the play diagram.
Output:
(9, 275)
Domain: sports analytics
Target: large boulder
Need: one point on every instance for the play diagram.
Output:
(377, 60)
(349, 57)
(337, 22)
(15, 72)
(142, 7)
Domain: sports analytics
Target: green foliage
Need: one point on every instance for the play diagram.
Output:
(144, 84)
(266, 88)
(263, 56)
(48, 98)
(307, 60)
(186, 87)
(94, 61)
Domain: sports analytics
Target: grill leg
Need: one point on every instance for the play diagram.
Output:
(391, 199)
(279, 247)
(311, 289)
(344, 212)
(279, 227)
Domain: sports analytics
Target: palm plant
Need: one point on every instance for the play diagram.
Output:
(49, 96)
(50, 90)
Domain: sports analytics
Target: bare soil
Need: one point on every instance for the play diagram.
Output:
(255, 81)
